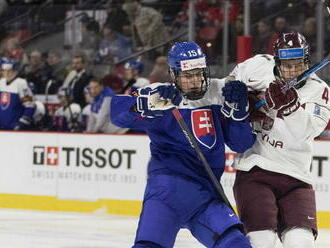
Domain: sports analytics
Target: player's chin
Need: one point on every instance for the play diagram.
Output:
(195, 95)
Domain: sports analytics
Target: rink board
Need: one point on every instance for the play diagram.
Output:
(103, 173)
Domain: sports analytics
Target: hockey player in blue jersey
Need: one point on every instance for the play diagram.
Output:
(179, 193)
(16, 99)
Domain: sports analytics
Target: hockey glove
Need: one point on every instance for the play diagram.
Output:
(257, 106)
(236, 103)
(284, 102)
(152, 103)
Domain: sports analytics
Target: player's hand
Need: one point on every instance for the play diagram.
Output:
(284, 102)
(170, 93)
(153, 102)
(257, 106)
(236, 103)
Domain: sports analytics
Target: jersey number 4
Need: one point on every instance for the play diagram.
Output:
(325, 95)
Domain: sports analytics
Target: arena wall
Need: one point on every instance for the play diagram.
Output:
(103, 173)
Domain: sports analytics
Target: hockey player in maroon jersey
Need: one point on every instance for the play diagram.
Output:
(273, 187)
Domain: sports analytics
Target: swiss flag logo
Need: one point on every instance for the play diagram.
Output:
(5, 98)
(52, 155)
(203, 127)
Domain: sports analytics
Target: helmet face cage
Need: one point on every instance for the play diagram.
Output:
(288, 49)
(188, 69)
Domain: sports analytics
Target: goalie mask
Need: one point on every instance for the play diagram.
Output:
(188, 69)
(292, 56)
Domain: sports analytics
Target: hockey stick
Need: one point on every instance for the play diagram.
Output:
(193, 143)
(314, 68)
(303, 76)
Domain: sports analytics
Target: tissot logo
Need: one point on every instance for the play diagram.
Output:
(45, 155)
(82, 156)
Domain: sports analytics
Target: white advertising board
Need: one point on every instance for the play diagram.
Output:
(91, 167)
(74, 166)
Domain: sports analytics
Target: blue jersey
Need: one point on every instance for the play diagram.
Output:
(98, 100)
(15, 102)
(170, 149)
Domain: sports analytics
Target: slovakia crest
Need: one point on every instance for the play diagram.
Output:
(4, 100)
(203, 127)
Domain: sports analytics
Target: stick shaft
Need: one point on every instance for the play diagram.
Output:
(303, 76)
(193, 143)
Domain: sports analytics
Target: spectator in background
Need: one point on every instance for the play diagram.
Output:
(159, 72)
(264, 39)
(90, 29)
(77, 79)
(113, 81)
(11, 48)
(147, 28)
(99, 119)
(16, 98)
(132, 76)
(309, 7)
(114, 46)
(67, 117)
(38, 72)
(235, 29)
(280, 26)
(309, 31)
(118, 17)
(59, 71)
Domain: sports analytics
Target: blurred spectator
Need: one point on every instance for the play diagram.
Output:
(16, 98)
(114, 46)
(11, 48)
(147, 28)
(99, 119)
(117, 17)
(38, 72)
(264, 39)
(309, 8)
(59, 71)
(78, 79)
(90, 29)
(132, 76)
(113, 81)
(160, 72)
(309, 31)
(280, 25)
(235, 29)
(209, 24)
(66, 118)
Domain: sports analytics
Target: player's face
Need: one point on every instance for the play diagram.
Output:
(292, 68)
(94, 88)
(130, 73)
(8, 74)
(190, 81)
(77, 64)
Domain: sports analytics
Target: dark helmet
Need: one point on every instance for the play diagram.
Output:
(185, 56)
(135, 64)
(291, 45)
